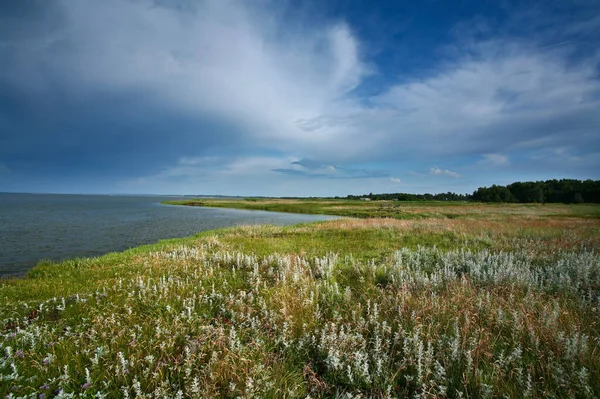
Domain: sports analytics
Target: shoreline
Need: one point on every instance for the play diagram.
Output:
(65, 228)
(408, 211)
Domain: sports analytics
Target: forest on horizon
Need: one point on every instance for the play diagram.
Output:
(569, 191)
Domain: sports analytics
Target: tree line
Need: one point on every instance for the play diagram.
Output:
(550, 191)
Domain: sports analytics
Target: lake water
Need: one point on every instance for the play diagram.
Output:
(47, 226)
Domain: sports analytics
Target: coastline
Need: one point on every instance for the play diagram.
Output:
(57, 227)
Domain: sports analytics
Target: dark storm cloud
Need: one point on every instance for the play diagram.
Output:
(53, 124)
(128, 88)
(107, 135)
(25, 19)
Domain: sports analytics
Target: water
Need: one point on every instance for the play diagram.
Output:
(46, 226)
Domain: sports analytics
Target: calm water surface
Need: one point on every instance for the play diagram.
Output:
(46, 226)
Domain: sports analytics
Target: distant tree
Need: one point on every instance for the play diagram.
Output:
(564, 190)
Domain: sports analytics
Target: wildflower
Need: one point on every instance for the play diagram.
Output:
(45, 386)
(88, 379)
(19, 354)
(42, 396)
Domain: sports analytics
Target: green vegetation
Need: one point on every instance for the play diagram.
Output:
(399, 209)
(566, 191)
(551, 191)
(455, 301)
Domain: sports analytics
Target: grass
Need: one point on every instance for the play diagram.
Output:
(495, 301)
(401, 210)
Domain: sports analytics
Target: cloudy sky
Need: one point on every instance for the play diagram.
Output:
(296, 98)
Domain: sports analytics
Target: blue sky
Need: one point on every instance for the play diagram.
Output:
(296, 98)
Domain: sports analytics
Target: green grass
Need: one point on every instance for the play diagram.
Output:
(495, 302)
(410, 210)
(360, 243)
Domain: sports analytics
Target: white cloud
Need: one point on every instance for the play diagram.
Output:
(215, 168)
(314, 169)
(256, 176)
(502, 98)
(494, 160)
(443, 172)
(395, 180)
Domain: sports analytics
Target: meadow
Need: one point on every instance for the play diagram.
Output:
(399, 209)
(403, 299)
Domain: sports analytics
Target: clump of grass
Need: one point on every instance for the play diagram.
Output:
(291, 316)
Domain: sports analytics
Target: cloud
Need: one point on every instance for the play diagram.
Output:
(312, 164)
(211, 92)
(497, 101)
(212, 168)
(225, 59)
(395, 180)
(443, 172)
(494, 160)
(252, 176)
(314, 169)
(500, 97)
(228, 67)
(220, 57)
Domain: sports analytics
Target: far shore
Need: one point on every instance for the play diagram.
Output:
(398, 209)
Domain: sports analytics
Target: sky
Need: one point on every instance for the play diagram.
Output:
(296, 98)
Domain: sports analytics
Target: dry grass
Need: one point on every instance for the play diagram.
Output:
(406, 210)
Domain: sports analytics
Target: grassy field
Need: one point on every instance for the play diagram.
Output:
(399, 210)
(455, 300)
